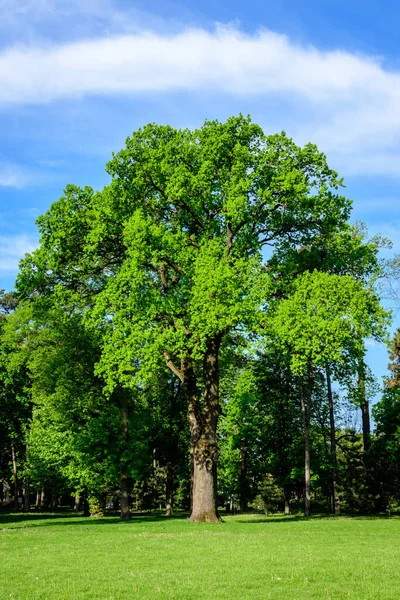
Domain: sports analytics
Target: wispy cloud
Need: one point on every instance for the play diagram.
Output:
(11, 176)
(19, 176)
(12, 249)
(34, 20)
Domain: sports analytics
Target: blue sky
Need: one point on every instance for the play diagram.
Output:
(78, 76)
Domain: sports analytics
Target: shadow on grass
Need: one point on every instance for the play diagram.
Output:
(75, 520)
(71, 519)
(317, 517)
(254, 519)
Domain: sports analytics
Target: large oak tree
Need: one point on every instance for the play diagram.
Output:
(170, 256)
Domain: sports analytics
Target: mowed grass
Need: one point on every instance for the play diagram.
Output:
(57, 557)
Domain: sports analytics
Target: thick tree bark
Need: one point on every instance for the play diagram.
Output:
(169, 489)
(77, 502)
(334, 496)
(124, 483)
(243, 476)
(305, 409)
(204, 492)
(203, 422)
(191, 476)
(203, 430)
(15, 476)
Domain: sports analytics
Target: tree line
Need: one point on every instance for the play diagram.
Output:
(194, 335)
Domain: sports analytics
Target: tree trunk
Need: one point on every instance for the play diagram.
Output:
(305, 409)
(15, 476)
(54, 500)
(27, 504)
(86, 508)
(42, 497)
(77, 502)
(366, 423)
(124, 484)
(334, 496)
(124, 508)
(286, 493)
(169, 489)
(204, 496)
(191, 476)
(203, 422)
(243, 476)
(203, 430)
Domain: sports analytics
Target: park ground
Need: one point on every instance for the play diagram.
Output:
(65, 557)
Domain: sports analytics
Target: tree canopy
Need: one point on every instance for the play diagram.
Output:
(214, 258)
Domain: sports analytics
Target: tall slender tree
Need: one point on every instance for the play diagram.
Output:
(325, 320)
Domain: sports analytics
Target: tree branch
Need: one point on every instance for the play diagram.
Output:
(171, 264)
(163, 278)
(171, 365)
(229, 242)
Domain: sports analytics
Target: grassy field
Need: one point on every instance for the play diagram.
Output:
(57, 557)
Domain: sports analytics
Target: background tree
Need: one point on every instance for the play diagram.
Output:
(385, 454)
(325, 320)
(15, 407)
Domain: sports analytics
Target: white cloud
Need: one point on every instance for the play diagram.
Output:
(226, 59)
(349, 104)
(12, 249)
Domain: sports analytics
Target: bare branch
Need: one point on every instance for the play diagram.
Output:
(171, 365)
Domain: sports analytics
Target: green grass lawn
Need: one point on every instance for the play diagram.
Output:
(57, 557)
